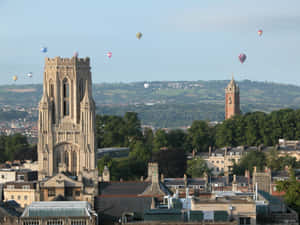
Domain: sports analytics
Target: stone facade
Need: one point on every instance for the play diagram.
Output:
(232, 99)
(222, 160)
(66, 126)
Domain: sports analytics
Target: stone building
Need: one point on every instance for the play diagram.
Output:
(232, 99)
(24, 193)
(222, 160)
(66, 126)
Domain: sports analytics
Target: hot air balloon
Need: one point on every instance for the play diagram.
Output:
(109, 54)
(242, 57)
(146, 85)
(44, 49)
(15, 78)
(139, 35)
(75, 54)
(260, 32)
(29, 74)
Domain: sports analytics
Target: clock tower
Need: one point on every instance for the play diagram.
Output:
(232, 99)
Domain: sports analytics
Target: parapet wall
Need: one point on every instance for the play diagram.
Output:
(58, 61)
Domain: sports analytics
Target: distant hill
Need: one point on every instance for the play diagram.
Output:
(170, 103)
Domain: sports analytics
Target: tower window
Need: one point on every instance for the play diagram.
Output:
(66, 107)
(81, 89)
(51, 90)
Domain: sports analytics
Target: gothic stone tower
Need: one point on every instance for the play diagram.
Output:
(66, 126)
(232, 99)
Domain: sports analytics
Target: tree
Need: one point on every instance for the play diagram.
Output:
(176, 139)
(172, 162)
(197, 167)
(199, 135)
(291, 188)
(248, 161)
(140, 152)
(133, 126)
(160, 140)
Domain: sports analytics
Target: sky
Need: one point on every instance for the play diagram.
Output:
(182, 39)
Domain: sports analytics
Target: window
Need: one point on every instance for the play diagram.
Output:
(20, 177)
(77, 193)
(81, 89)
(218, 161)
(78, 222)
(69, 192)
(25, 197)
(51, 90)
(12, 197)
(10, 186)
(212, 161)
(66, 109)
(19, 197)
(222, 161)
(217, 169)
(55, 222)
(31, 222)
(53, 111)
(245, 221)
(51, 192)
(2, 176)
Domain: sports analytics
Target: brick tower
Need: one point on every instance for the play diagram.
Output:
(232, 99)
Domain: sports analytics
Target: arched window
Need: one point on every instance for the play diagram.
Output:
(74, 162)
(66, 158)
(51, 89)
(53, 112)
(66, 107)
(81, 89)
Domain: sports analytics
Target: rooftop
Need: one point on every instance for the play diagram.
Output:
(58, 208)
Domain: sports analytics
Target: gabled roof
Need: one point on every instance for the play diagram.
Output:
(61, 180)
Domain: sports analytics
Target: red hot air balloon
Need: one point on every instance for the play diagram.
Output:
(260, 32)
(242, 58)
(109, 54)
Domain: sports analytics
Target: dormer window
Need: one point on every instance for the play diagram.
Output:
(66, 107)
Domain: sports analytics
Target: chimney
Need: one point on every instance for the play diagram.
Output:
(162, 178)
(142, 179)
(153, 203)
(234, 184)
(209, 150)
(254, 169)
(225, 150)
(287, 168)
(153, 170)
(185, 180)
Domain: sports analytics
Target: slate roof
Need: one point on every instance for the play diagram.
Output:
(122, 188)
(180, 181)
(113, 207)
(10, 208)
(242, 179)
(219, 180)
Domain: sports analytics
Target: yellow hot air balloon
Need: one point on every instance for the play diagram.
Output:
(15, 78)
(139, 35)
